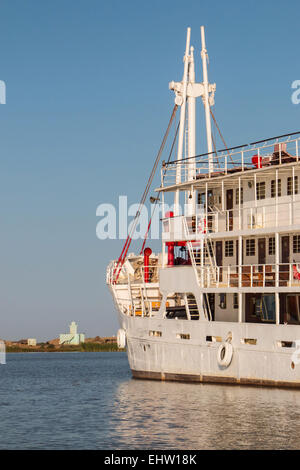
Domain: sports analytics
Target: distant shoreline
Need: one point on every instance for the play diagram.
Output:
(83, 347)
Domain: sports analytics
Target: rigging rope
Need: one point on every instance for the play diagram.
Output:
(224, 143)
(126, 246)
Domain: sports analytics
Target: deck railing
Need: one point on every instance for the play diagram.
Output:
(251, 276)
(280, 214)
(141, 272)
(270, 152)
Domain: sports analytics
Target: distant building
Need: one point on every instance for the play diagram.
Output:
(31, 342)
(73, 337)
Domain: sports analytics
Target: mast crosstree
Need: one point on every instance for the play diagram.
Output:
(186, 92)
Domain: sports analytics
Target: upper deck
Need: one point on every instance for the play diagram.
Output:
(248, 161)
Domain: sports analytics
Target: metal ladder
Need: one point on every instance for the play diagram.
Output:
(192, 306)
(136, 297)
(196, 263)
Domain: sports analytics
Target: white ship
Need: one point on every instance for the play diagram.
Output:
(221, 302)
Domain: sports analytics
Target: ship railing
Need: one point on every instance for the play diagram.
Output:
(278, 214)
(141, 275)
(146, 274)
(278, 150)
(251, 275)
(112, 269)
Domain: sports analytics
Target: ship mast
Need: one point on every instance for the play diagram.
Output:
(206, 101)
(186, 92)
(181, 100)
(191, 132)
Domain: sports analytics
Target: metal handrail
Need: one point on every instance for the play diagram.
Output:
(229, 158)
(252, 275)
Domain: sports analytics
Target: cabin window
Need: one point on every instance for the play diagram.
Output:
(261, 190)
(202, 198)
(214, 339)
(155, 333)
(264, 308)
(252, 341)
(250, 247)
(228, 248)
(237, 196)
(235, 300)
(222, 301)
(293, 309)
(272, 246)
(296, 243)
(183, 336)
(290, 185)
(273, 188)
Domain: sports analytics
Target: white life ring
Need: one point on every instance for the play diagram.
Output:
(121, 338)
(225, 353)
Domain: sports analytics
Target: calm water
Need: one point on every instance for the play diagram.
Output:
(89, 401)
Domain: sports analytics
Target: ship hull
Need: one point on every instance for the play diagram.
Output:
(263, 355)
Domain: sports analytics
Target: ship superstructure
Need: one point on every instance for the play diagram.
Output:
(221, 302)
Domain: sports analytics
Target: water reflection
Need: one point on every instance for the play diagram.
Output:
(157, 415)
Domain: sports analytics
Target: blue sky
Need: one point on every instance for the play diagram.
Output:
(87, 105)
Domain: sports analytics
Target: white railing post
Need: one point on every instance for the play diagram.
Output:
(277, 308)
(240, 225)
(276, 259)
(280, 153)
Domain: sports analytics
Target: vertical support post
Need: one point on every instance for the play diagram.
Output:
(206, 206)
(201, 303)
(240, 222)
(202, 261)
(163, 215)
(240, 307)
(277, 308)
(240, 260)
(276, 198)
(223, 196)
(277, 259)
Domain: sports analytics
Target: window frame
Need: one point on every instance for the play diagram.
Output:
(289, 185)
(271, 246)
(250, 250)
(260, 190)
(229, 249)
(296, 242)
(273, 188)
